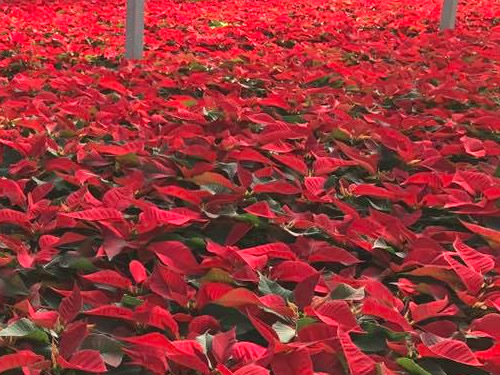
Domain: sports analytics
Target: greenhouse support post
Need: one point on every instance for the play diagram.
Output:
(134, 44)
(448, 14)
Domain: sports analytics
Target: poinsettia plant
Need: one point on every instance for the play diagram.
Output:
(279, 187)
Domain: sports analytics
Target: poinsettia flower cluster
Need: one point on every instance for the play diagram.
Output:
(286, 187)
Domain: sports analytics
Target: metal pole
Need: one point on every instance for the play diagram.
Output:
(134, 45)
(448, 14)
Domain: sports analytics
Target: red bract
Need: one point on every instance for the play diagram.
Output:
(21, 359)
(278, 187)
(84, 360)
(71, 305)
(72, 338)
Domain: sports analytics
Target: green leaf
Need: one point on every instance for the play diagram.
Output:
(13, 286)
(217, 275)
(347, 292)
(128, 160)
(339, 134)
(230, 168)
(229, 318)
(320, 82)
(126, 370)
(205, 341)
(25, 328)
(337, 84)
(376, 329)
(388, 159)
(189, 102)
(369, 343)
(432, 367)
(74, 261)
(131, 301)
(10, 156)
(109, 348)
(294, 119)
(304, 322)
(380, 205)
(267, 286)
(214, 24)
(212, 114)
(196, 242)
(380, 243)
(250, 219)
(285, 332)
(285, 43)
(410, 366)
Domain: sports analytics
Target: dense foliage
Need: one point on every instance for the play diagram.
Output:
(293, 187)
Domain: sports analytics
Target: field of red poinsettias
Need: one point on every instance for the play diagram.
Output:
(293, 187)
